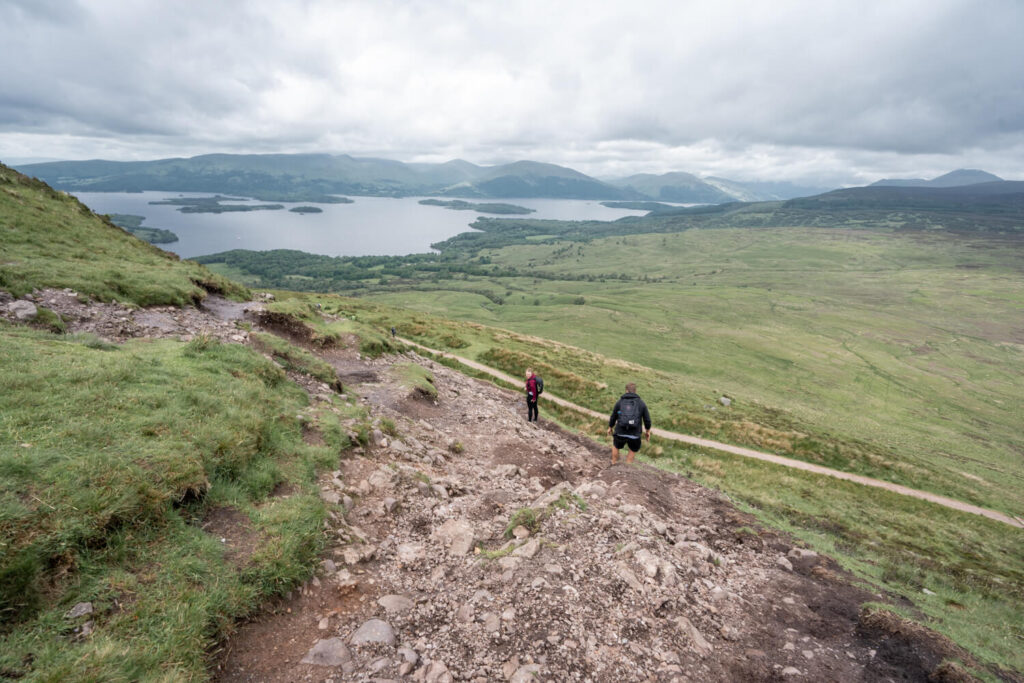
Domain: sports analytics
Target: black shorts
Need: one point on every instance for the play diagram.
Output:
(621, 441)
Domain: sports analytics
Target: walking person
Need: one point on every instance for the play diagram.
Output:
(533, 389)
(629, 421)
(393, 333)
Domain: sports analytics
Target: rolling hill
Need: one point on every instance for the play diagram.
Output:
(961, 176)
(269, 176)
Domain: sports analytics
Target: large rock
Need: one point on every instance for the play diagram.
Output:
(374, 631)
(528, 549)
(700, 645)
(23, 311)
(330, 652)
(456, 535)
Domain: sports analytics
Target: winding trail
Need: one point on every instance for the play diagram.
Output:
(750, 453)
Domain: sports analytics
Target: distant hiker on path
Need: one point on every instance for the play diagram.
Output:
(627, 424)
(534, 388)
(392, 331)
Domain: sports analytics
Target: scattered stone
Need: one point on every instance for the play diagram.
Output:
(456, 535)
(79, 610)
(330, 652)
(791, 671)
(528, 550)
(784, 563)
(526, 674)
(725, 401)
(700, 645)
(374, 631)
(396, 604)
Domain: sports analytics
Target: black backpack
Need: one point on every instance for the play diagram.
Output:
(540, 385)
(631, 414)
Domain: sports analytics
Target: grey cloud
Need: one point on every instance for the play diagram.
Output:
(813, 87)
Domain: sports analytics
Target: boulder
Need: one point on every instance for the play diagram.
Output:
(700, 645)
(330, 652)
(23, 311)
(456, 535)
(374, 631)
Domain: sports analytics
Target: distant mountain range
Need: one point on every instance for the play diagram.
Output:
(306, 177)
(957, 178)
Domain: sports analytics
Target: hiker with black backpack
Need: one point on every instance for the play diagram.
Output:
(629, 421)
(534, 388)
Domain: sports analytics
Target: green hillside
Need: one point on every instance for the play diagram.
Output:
(166, 484)
(50, 239)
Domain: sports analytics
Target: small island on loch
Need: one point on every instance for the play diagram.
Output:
(638, 206)
(133, 224)
(460, 205)
(306, 209)
(214, 204)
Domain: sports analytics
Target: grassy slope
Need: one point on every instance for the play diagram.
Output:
(112, 459)
(49, 239)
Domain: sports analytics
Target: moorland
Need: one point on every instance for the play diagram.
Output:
(874, 331)
(879, 338)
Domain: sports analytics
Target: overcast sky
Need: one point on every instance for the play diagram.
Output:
(829, 92)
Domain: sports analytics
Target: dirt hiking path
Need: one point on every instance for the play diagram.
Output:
(757, 455)
(470, 545)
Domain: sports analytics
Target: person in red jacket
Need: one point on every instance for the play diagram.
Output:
(532, 394)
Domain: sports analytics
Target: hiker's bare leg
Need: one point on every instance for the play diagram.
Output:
(629, 456)
(615, 455)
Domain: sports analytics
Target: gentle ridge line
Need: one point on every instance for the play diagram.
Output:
(951, 503)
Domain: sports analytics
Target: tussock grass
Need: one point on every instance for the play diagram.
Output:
(110, 460)
(416, 377)
(296, 358)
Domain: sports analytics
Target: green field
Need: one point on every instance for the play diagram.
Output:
(902, 351)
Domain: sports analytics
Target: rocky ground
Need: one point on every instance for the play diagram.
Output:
(476, 546)
(118, 322)
(470, 545)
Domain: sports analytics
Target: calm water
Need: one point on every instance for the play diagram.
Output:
(370, 225)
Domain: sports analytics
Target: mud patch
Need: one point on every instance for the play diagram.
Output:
(311, 436)
(644, 485)
(235, 532)
(419, 407)
(549, 468)
(269, 648)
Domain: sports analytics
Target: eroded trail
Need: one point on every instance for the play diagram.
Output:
(951, 503)
(476, 546)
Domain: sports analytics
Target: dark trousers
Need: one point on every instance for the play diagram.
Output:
(531, 411)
